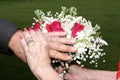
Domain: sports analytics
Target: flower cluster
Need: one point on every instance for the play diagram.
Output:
(88, 39)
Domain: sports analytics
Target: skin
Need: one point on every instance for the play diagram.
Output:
(16, 47)
(76, 72)
(56, 46)
(37, 55)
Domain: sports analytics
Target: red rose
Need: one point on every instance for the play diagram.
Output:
(77, 28)
(54, 27)
(36, 26)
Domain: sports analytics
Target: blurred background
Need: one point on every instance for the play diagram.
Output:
(106, 13)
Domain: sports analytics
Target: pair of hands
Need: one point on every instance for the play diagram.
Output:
(55, 48)
(39, 49)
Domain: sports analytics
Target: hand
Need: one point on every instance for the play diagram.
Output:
(57, 44)
(36, 51)
(76, 72)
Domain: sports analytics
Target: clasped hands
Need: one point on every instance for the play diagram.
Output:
(39, 48)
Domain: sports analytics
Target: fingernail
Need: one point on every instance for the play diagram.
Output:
(25, 29)
(73, 40)
(30, 29)
(74, 49)
(37, 30)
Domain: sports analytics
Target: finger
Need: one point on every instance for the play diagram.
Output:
(42, 38)
(59, 70)
(74, 69)
(29, 41)
(33, 34)
(58, 55)
(37, 41)
(24, 44)
(62, 47)
(43, 43)
(61, 40)
(57, 34)
(26, 33)
(28, 37)
(40, 35)
(68, 76)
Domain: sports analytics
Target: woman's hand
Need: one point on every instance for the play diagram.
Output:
(36, 49)
(57, 45)
(38, 59)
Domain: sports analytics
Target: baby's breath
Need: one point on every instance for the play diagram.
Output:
(88, 41)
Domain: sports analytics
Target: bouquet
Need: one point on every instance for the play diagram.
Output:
(88, 39)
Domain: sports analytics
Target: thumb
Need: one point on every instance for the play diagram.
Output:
(73, 69)
(68, 76)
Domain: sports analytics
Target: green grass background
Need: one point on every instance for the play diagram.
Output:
(106, 13)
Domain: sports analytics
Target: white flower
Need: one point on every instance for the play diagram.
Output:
(88, 29)
(88, 42)
(80, 35)
(71, 24)
(102, 41)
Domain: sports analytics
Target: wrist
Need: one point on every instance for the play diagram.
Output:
(40, 71)
(46, 72)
